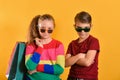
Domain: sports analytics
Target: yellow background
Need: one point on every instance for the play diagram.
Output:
(15, 16)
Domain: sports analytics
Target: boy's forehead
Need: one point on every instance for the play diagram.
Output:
(82, 24)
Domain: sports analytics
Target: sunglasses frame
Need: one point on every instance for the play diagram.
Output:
(80, 29)
(44, 30)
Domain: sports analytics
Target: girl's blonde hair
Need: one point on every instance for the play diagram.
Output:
(33, 27)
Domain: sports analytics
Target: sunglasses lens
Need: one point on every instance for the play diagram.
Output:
(87, 29)
(78, 29)
(50, 31)
(42, 30)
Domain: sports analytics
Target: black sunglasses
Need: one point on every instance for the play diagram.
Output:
(79, 29)
(43, 30)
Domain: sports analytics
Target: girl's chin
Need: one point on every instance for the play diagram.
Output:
(45, 37)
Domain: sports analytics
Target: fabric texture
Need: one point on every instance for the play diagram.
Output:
(48, 61)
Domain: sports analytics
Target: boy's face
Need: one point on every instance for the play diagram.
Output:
(82, 29)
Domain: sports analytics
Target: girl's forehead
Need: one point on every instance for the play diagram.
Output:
(46, 24)
(45, 21)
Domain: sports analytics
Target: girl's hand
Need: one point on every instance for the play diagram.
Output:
(38, 42)
(31, 72)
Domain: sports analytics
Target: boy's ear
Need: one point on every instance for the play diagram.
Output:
(91, 25)
(74, 25)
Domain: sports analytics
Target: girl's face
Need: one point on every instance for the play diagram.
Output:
(82, 29)
(45, 28)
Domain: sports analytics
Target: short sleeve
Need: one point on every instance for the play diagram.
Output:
(69, 50)
(94, 45)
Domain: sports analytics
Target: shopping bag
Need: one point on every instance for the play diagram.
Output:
(11, 59)
(17, 67)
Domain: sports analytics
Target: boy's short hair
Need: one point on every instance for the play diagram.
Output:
(83, 17)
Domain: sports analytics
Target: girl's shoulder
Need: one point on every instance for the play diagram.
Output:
(31, 45)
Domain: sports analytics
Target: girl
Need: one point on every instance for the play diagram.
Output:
(44, 55)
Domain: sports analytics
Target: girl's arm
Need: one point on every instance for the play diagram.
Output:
(32, 56)
(57, 68)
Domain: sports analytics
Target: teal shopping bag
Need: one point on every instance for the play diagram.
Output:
(17, 68)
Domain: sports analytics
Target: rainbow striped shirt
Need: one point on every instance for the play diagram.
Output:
(49, 61)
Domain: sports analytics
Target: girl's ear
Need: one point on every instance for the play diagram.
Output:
(38, 34)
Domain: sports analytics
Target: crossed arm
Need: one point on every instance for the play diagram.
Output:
(80, 59)
(33, 58)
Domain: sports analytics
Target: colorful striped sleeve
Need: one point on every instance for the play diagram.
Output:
(32, 56)
(57, 68)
